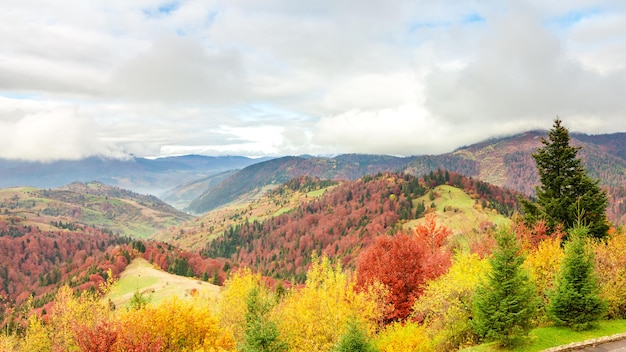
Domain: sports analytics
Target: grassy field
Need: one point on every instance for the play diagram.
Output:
(458, 211)
(544, 338)
(141, 276)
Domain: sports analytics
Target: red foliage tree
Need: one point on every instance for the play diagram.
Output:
(431, 234)
(100, 338)
(403, 263)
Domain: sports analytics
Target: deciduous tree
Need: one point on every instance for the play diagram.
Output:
(404, 263)
(445, 307)
(403, 336)
(543, 264)
(610, 264)
(314, 317)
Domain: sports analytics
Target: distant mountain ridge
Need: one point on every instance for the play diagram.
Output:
(141, 175)
(505, 162)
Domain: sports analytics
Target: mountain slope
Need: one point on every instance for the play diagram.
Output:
(94, 204)
(37, 258)
(253, 179)
(181, 195)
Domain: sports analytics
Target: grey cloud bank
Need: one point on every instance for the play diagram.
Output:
(152, 78)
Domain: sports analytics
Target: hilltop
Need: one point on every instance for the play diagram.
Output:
(155, 284)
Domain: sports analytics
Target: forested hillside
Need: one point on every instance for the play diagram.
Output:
(344, 220)
(35, 263)
(504, 162)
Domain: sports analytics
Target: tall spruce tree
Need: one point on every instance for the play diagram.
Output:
(576, 301)
(505, 304)
(566, 192)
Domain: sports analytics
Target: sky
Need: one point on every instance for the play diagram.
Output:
(154, 78)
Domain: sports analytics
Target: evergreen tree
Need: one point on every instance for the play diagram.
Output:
(261, 333)
(566, 191)
(504, 305)
(575, 301)
(354, 340)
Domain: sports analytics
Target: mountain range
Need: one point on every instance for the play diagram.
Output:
(200, 183)
(141, 175)
(505, 162)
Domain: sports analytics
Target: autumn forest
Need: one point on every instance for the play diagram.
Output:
(390, 260)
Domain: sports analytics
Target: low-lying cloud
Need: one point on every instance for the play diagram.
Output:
(51, 135)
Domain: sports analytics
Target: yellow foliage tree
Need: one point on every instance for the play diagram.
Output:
(233, 307)
(314, 317)
(173, 325)
(37, 338)
(445, 307)
(69, 314)
(543, 264)
(401, 337)
(9, 343)
(610, 264)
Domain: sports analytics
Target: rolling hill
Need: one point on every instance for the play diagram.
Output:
(94, 204)
(157, 285)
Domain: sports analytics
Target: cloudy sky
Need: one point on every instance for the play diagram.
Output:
(285, 77)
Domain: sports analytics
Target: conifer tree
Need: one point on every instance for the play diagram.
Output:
(504, 305)
(566, 191)
(261, 334)
(354, 340)
(576, 301)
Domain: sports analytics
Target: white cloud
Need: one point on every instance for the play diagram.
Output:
(250, 141)
(405, 130)
(179, 69)
(522, 72)
(54, 134)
